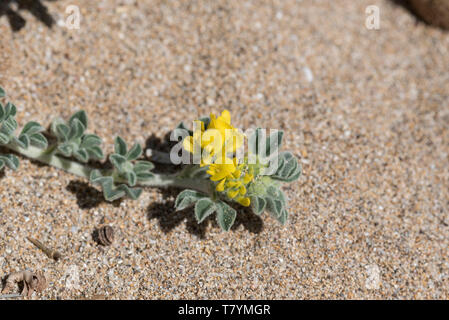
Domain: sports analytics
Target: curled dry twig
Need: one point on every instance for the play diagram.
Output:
(31, 282)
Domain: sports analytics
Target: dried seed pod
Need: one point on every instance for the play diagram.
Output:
(105, 235)
(31, 282)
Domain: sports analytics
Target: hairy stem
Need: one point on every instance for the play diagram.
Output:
(159, 180)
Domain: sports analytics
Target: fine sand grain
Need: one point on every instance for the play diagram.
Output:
(365, 111)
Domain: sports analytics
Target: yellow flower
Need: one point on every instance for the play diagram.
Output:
(214, 144)
(221, 171)
(244, 201)
(220, 136)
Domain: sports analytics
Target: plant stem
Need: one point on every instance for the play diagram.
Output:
(49, 158)
(159, 180)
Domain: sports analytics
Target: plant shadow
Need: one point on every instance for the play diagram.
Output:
(408, 7)
(11, 9)
(168, 218)
(87, 197)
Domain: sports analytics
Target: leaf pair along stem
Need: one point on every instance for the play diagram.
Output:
(49, 157)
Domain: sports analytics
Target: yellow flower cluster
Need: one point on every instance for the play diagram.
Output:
(219, 140)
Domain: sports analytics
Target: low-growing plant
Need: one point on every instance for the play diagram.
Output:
(218, 184)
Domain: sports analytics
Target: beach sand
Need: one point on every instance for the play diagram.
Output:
(365, 111)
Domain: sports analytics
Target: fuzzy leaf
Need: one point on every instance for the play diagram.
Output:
(10, 110)
(117, 161)
(131, 178)
(182, 126)
(187, 198)
(2, 92)
(144, 176)
(288, 170)
(95, 152)
(31, 128)
(283, 216)
(62, 131)
(113, 194)
(38, 140)
(225, 216)
(81, 116)
(9, 126)
(204, 208)
(4, 139)
(22, 141)
(2, 164)
(134, 153)
(205, 120)
(10, 160)
(90, 140)
(81, 155)
(2, 112)
(133, 193)
(77, 129)
(143, 166)
(254, 140)
(274, 206)
(65, 149)
(120, 146)
(274, 142)
(107, 185)
(258, 204)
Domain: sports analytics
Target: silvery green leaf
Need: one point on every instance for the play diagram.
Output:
(38, 140)
(182, 126)
(131, 178)
(81, 155)
(81, 116)
(94, 175)
(65, 149)
(120, 146)
(2, 164)
(2, 113)
(256, 141)
(205, 120)
(258, 204)
(90, 140)
(95, 152)
(289, 169)
(274, 206)
(62, 131)
(187, 198)
(4, 139)
(134, 153)
(204, 208)
(9, 126)
(143, 166)
(77, 129)
(10, 160)
(2, 92)
(133, 193)
(276, 193)
(274, 142)
(283, 216)
(225, 215)
(22, 141)
(144, 176)
(118, 161)
(10, 110)
(107, 185)
(31, 128)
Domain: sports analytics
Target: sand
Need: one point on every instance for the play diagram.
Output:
(365, 111)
